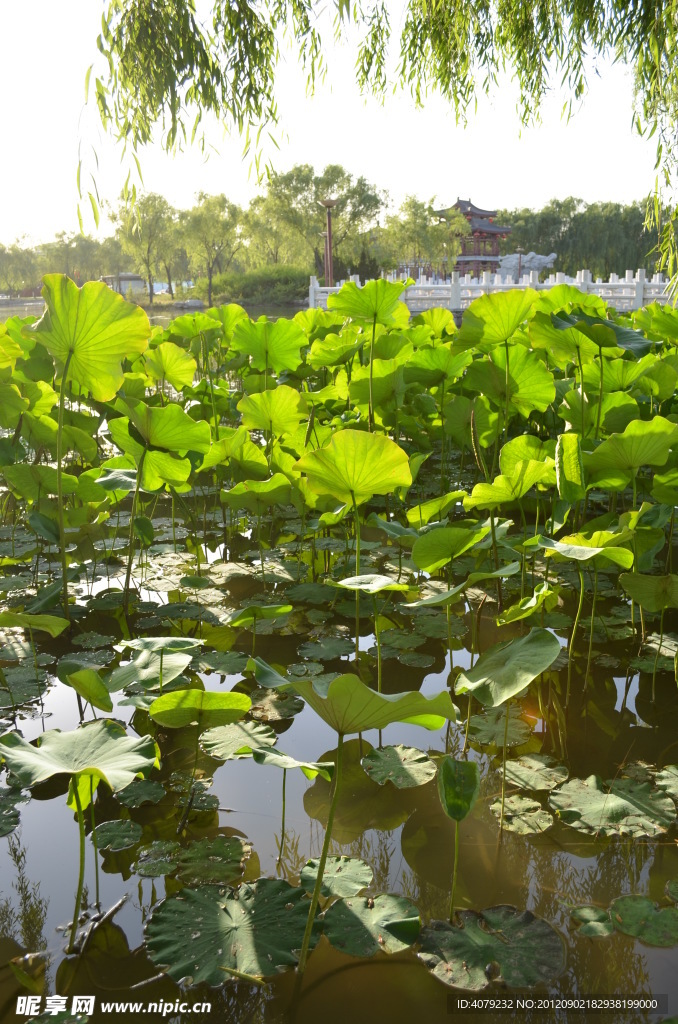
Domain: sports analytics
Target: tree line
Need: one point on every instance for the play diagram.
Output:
(215, 241)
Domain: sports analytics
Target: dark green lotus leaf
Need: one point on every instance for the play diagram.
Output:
(622, 807)
(458, 787)
(228, 742)
(535, 772)
(343, 876)
(507, 668)
(667, 780)
(326, 649)
(201, 934)
(141, 791)
(19, 691)
(405, 767)
(9, 815)
(488, 728)
(528, 950)
(228, 663)
(219, 861)
(157, 859)
(523, 815)
(93, 641)
(595, 922)
(671, 890)
(117, 835)
(640, 917)
(366, 925)
(653, 593)
(273, 706)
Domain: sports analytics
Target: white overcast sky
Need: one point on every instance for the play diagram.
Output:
(47, 47)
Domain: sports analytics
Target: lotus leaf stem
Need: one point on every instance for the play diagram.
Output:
(81, 873)
(60, 499)
(454, 869)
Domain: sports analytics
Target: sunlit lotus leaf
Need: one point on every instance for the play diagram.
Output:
(507, 668)
(641, 918)
(168, 362)
(52, 624)
(492, 319)
(618, 374)
(253, 612)
(620, 807)
(527, 949)
(276, 759)
(211, 861)
(270, 345)
(236, 740)
(144, 668)
(258, 495)
(191, 325)
(653, 593)
(96, 327)
(279, 411)
(155, 860)
(253, 930)
(342, 876)
(595, 922)
(535, 772)
(404, 767)
(457, 416)
(229, 314)
(530, 385)
(458, 787)
(607, 333)
(117, 835)
(12, 405)
(204, 708)
(450, 596)
(371, 583)
(504, 489)
(544, 596)
(422, 514)
(141, 791)
(522, 814)
(335, 349)
(570, 468)
(641, 444)
(563, 342)
(89, 684)
(364, 926)
(430, 366)
(581, 549)
(377, 301)
(355, 466)
(443, 544)
(167, 427)
(100, 750)
(522, 449)
(33, 482)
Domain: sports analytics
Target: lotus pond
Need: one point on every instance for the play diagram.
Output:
(339, 658)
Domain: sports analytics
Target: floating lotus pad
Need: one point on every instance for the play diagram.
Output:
(405, 767)
(522, 814)
(640, 917)
(117, 835)
(228, 742)
(535, 772)
(366, 925)
(343, 876)
(621, 807)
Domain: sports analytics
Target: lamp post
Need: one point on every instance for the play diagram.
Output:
(520, 251)
(329, 204)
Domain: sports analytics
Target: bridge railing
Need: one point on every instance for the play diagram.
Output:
(633, 291)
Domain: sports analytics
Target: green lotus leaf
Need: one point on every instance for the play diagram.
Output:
(117, 835)
(527, 949)
(141, 791)
(544, 596)
(507, 668)
(641, 444)
(504, 489)
(355, 466)
(640, 917)
(258, 495)
(167, 427)
(269, 346)
(522, 814)
(371, 583)
(100, 750)
(342, 876)
(458, 787)
(254, 931)
(156, 859)
(168, 362)
(653, 593)
(93, 325)
(671, 890)
(366, 925)
(279, 411)
(488, 729)
(667, 780)
(253, 612)
(430, 366)
(564, 342)
(9, 815)
(583, 549)
(32, 482)
(570, 468)
(524, 448)
(422, 514)
(274, 706)
(595, 922)
(192, 325)
(377, 301)
(492, 319)
(163, 643)
(535, 772)
(443, 544)
(52, 624)
(530, 385)
(620, 807)
(335, 349)
(144, 669)
(348, 706)
(404, 767)
(607, 333)
(204, 708)
(44, 527)
(276, 758)
(457, 415)
(89, 684)
(218, 861)
(228, 742)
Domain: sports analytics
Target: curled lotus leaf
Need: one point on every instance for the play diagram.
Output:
(528, 950)
(367, 925)
(507, 668)
(202, 934)
(620, 807)
(343, 876)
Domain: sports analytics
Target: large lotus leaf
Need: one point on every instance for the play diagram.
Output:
(276, 758)
(32, 482)
(52, 624)
(258, 495)
(168, 427)
(618, 374)
(607, 333)
(458, 787)
(335, 349)
(218, 861)
(583, 549)
(641, 444)
(457, 416)
(443, 544)
(144, 669)
(342, 876)
(377, 301)
(98, 750)
(279, 411)
(522, 814)
(492, 319)
(348, 706)
(371, 583)
(621, 807)
(508, 668)
(504, 489)
(205, 708)
(430, 366)
(562, 341)
(367, 925)
(228, 742)
(388, 384)
(422, 514)
(89, 684)
(570, 468)
(117, 835)
(528, 950)
(156, 859)
(141, 791)
(253, 612)
(653, 593)
(667, 780)
(201, 934)
(270, 346)
(405, 767)
(530, 384)
(355, 466)
(96, 327)
(522, 449)
(191, 325)
(640, 917)
(168, 362)
(535, 772)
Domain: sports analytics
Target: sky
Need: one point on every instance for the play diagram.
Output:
(45, 125)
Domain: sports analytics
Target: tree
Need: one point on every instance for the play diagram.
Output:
(168, 67)
(212, 235)
(268, 238)
(416, 236)
(145, 233)
(18, 270)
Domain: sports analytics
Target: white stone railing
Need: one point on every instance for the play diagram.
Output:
(633, 291)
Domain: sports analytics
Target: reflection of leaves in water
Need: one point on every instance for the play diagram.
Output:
(28, 920)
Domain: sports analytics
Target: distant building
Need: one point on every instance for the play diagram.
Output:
(480, 248)
(127, 284)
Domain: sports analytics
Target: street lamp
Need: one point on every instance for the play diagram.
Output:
(329, 204)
